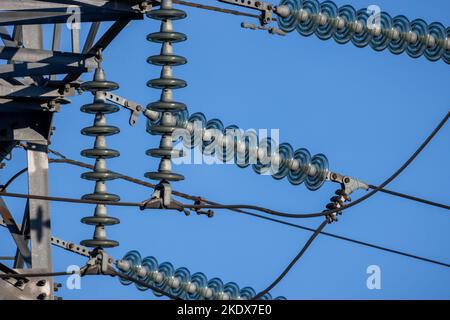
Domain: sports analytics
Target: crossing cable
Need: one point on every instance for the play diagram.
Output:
(200, 199)
(293, 262)
(390, 179)
(257, 208)
(375, 190)
(335, 236)
(196, 198)
(289, 224)
(405, 196)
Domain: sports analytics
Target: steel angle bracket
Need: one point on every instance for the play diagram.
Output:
(348, 184)
(265, 8)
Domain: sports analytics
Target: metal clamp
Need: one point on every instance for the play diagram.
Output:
(271, 30)
(265, 8)
(162, 199)
(135, 108)
(348, 186)
(100, 263)
(267, 12)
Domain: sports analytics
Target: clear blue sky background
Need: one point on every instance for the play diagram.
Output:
(366, 111)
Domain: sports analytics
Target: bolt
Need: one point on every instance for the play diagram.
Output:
(19, 283)
(56, 287)
(41, 283)
(42, 296)
(347, 180)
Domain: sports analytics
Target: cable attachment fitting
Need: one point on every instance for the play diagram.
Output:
(337, 201)
(208, 213)
(348, 186)
(265, 8)
(100, 263)
(162, 199)
(134, 108)
(271, 30)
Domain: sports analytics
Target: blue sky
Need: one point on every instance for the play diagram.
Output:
(366, 111)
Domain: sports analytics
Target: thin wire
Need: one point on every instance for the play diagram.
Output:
(36, 275)
(145, 284)
(69, 200)
(375, 190)
(257, 208)
(293, 262)
(332, 235)
(216, 9)
(405, 196)
(6, 258)
(14, 177)
(390, 179)
(196, 198)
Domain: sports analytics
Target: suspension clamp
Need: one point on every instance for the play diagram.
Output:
(348, 186)
(266, 10)
(162, 199)
(100, 263)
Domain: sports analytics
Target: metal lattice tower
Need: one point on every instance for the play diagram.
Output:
(36, 83)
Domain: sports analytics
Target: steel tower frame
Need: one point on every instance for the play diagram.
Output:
(34, 84)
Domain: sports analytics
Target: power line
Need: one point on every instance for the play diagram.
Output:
(2, 258)
(36, 275)
(375, 190)
(405, 196)
(390, 179)
(297, 226)
(319, 230)
(255, 215)
(293, 262)
(347, 239)
(13, 178)
(200, 199)
(69, 200)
